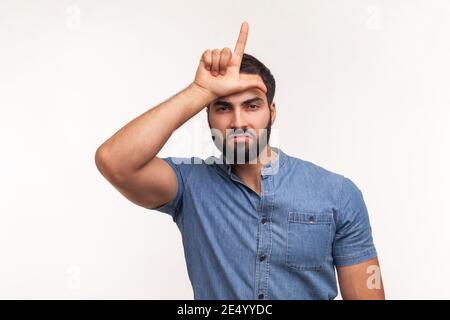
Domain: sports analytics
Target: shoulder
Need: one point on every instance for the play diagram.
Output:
(319, 179)
(184, 160)
(312, 171)
(190, 165)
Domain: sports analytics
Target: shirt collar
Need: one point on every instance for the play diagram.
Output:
(268, 169)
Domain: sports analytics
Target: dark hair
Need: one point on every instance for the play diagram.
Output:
(251, 65)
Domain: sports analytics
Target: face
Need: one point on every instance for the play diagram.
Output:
(240, 123)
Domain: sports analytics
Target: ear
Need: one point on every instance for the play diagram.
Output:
(273, 111)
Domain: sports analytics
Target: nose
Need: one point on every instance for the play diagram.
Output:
(239, 120)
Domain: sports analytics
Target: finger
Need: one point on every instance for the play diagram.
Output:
(242, 40)
(207, 59)
(225, 56)
(247, 84)
(215, 62)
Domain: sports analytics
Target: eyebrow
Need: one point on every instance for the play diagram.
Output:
(227, 104)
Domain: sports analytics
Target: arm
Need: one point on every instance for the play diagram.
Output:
(128, 159)
(361, 281)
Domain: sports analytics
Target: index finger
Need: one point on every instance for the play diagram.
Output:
(242, 40)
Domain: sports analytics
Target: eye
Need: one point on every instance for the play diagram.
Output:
(253, 106)
(223, 108)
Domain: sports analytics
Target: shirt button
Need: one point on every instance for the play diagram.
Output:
(261, 258)
(263, 220)
(261, 296)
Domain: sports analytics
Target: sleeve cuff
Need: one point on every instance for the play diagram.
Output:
(341, 261)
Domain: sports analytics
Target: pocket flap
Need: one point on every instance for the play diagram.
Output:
(310, 217)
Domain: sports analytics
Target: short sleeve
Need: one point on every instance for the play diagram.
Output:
(353, 241)
(182, 168)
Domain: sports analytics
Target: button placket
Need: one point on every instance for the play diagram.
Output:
(264, 241)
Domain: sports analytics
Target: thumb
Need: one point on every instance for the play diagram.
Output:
(245, 84)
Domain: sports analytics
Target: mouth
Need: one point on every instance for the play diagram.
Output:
(240, 137)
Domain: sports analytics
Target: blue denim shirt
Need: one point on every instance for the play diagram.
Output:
(282, 244)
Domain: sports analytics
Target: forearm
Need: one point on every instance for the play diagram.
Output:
(140, 140)
(361, 281)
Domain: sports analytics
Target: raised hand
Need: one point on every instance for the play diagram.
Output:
(218, 71)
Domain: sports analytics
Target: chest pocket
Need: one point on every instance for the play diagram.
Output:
(308, 240)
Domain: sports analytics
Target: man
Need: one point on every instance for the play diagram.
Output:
(269, 226)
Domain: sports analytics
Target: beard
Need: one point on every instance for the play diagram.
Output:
(243, 152)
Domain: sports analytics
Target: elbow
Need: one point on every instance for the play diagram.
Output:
(101, 160)
(105, 165)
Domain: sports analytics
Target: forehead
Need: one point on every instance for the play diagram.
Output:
(237, 97)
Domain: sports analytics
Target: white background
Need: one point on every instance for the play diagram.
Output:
(362, 90)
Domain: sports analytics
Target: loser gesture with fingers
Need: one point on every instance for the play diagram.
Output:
(218, 71)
